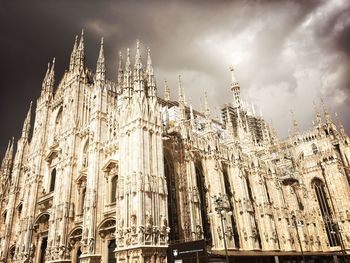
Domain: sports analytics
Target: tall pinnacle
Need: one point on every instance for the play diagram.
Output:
(151, 83)
(46, 77)
(235, 89)
(101, 67)
(206, 106)
(73, 54)
(296, 129)
(181, 101)
(318, 115)
(138, 63)
(341, 127)
(120, 72)
(166, 91)
(26, 125)
(51, 77)
(80, 54)
(127, 83)
(325, 112)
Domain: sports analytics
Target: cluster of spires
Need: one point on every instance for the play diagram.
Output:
(139, 79)
(319, 122)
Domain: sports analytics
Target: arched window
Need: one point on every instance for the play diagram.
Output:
(52, 180)
(314, 148)
(172, 199)
(331, 226)
(204, 202)
(114, 189)
(229, 194)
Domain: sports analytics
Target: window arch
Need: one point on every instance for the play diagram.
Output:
(314, 148)
(52, 180)
(323, 201)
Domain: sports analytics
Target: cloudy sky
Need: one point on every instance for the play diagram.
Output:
(286, 54)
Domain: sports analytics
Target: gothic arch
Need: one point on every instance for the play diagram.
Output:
(324, 204)
(75, 235)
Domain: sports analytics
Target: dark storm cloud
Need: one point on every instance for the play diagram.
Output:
(282, 50)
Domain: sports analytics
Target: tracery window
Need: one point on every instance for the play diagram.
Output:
(314, 148)
(331, 226)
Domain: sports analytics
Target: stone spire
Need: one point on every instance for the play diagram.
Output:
(80, 53)
(166, 91)
(236, 90)
(44, 84)
(73, 54)
(325, 112)
(138, 71)
(318, 115)
(207, 113)
(101, 67)
(120, 72)
(127, 83)
(51, 76)
(296, 130)
(151, 82)
(181, 101)
(341, 127)
(26, 125)
(193, 124)
(229, 124)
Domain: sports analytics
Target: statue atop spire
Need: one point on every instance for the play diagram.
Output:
(101, 67)
(235, 89)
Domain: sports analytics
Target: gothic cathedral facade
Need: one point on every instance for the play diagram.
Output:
(111, 172)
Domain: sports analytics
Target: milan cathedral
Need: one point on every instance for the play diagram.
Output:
(108, 171)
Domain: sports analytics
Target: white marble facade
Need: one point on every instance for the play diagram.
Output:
(111, 171)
